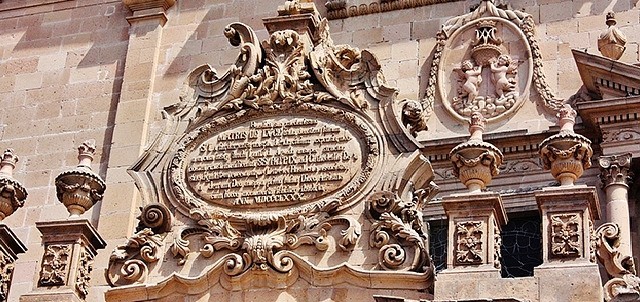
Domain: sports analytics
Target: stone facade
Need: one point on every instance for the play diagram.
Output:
(407, 113)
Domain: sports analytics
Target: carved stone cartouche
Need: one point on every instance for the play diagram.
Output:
(12, 193)
(611, 42)
(476, 162)
(567, 154)
(80, 188)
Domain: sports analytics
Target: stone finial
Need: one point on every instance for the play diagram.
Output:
(80, 188)
(611, 42)
(566, 154)
(476, 162)
(12, 193)
(295, 7)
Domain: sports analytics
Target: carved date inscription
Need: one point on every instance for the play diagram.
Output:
(274, 162)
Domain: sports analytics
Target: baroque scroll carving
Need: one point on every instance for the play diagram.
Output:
(620, 267)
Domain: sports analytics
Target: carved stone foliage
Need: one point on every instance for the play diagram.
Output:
(565, 235)
(83, 277)
(55, 264)
(6, 273)
(338, 9)
(398, 225)
(489, 78)
(497, 246)
(129, 262)
(615, 169)
(620, 268)
(469, 249)
(264, 244)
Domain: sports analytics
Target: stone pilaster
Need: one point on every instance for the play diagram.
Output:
(615, 178)
(69, 249)
(568, 214)
(10, 247)
(130, 131)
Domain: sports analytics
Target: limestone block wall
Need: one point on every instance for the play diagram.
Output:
(62, 64)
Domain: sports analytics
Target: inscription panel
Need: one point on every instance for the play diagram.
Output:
(272, 162)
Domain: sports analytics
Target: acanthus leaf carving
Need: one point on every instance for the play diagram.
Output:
(129, 262)
(399, 221)
(620, 268)
(85, 266)
(6, 273)
(55, 264)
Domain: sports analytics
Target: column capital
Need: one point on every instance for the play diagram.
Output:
(148, 9)
(614, 169)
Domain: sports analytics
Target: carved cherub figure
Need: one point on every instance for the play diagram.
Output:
(473, 78)
(500, 68)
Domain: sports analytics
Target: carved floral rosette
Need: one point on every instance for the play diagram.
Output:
(478, 41)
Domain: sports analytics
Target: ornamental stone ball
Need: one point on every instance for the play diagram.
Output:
(80, 188)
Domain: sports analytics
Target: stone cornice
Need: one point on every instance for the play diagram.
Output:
(148, 9)
(606, 77)
(341, 9)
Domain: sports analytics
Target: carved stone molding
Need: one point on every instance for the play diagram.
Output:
(148, 9)
(566, 235)
(469, 241)
(620, 135)
(340, 9)
(615, 169)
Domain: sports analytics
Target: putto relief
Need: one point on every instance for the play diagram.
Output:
(486, 69)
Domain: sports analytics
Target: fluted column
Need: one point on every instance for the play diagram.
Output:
(615, 178)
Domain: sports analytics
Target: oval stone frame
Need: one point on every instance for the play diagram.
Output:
(178, 190)
(445, 69)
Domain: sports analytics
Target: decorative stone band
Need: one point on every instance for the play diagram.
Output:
(340, 9)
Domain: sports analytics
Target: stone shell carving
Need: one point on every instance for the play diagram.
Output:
(530, 70)
(55, 264)
(565, 235)
(469, 249)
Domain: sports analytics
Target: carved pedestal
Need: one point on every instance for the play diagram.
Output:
(473, 254)
(568, 214)
(69, 249)
(10, 247)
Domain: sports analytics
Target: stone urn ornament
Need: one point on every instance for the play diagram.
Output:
(611, 42)
(12, 193)
(566, 154)
(476, 162)
(80, 188)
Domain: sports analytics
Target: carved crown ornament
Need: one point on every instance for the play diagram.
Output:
(283, 152)
(485, 61)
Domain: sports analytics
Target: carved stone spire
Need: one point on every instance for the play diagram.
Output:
(567, 154)
(611, 42)
(12, 193)
(80, 188)
(475, 162)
